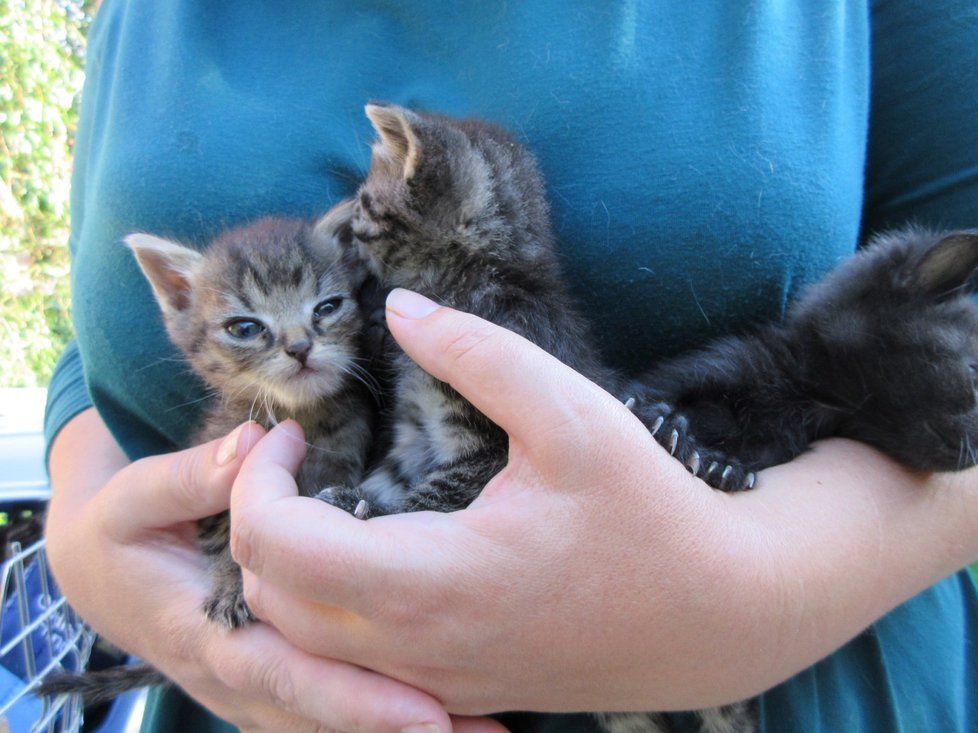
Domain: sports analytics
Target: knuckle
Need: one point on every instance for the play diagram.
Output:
(188, 480)
(274, 679)
(469, 340)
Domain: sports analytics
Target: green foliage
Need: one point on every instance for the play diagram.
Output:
(41, 71)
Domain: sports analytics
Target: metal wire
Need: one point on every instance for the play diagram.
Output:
(48, 634)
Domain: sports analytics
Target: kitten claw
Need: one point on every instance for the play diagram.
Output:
(693, 463)
(673, 442)
(725, 478)
(630, 404)
(750, 481)
(361, 509)
(709, 471)
(656, 425)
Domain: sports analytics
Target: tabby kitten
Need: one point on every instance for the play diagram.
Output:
(455, 210)
(883, 350)
(268, 316)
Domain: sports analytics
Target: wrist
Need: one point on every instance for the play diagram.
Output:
(847, 534)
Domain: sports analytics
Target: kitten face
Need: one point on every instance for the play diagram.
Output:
(904, 330)
(266, 312)
(449, 184)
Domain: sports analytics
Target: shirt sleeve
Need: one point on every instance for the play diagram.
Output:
(67, 395)
(922, 158)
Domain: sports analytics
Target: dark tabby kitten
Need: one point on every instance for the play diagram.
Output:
(455, 210)
(267, 315)
(883, 350)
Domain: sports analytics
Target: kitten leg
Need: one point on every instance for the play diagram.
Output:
(226, 604)
(380, 493)
(457, 484)
(672, 431)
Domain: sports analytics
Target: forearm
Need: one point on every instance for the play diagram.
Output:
(840, 536)
(83, 456)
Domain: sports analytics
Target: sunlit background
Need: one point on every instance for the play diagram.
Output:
(42, 48)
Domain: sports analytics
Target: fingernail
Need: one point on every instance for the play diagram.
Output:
(229, 448)
(421, 728)
(408, 304)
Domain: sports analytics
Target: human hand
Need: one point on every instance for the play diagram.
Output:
(593, 573)
(122, 543)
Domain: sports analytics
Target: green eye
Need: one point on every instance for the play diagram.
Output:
(244, 328)
(326, 307)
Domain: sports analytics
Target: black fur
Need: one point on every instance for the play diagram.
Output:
(883, 350)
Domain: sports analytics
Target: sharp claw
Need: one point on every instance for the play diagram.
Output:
(693, 464)
(630, 403)
(725, 476)
(361, 510)
(709, 471)
(750, 481)
(673, 442)
(657, 424)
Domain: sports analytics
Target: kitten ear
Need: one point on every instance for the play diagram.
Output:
(168, 267)
(948, 264)
(334, 226)
(333, 233)
(398, 140)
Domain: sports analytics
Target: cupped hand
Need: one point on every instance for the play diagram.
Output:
(593, 573)
(505, 605)
(122, 543)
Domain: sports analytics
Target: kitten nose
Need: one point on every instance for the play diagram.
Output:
(299, 350)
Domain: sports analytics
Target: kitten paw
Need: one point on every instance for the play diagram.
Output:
(348, 499)
(672, 431)
(228, 609)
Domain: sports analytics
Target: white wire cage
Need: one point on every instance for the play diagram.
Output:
(39, 634)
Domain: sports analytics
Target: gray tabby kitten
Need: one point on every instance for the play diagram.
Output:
(455, 210)
(268, 316)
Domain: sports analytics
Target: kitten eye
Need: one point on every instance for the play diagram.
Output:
(244, 328)
(326, 307)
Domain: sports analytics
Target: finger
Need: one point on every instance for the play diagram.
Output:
(268, 473)
(319, 552)
(316, 627)
(516, 384)
(191, 484)
(339, 696)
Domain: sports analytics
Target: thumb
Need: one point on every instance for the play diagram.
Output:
(170, 488)
(516, 384)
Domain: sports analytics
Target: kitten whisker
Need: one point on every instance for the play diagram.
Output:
(207, 395)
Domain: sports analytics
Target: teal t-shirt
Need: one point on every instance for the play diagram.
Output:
(704, 161)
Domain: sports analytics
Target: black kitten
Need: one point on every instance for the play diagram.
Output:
(883, 350)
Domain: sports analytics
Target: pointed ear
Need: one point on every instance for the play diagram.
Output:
(168, 266)
(398, 139)
(948, 264)
(333, 228)
(334, 235)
